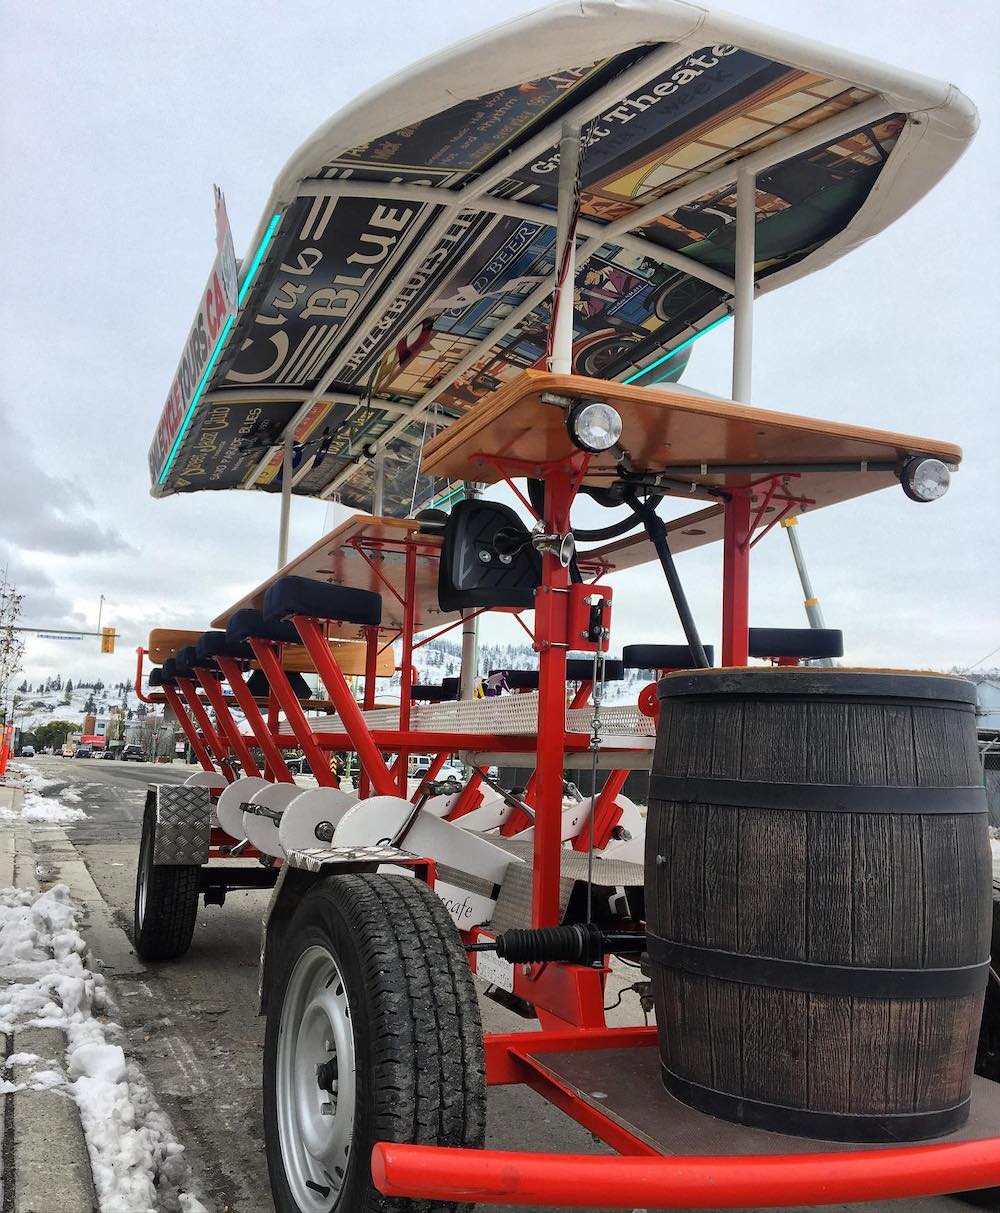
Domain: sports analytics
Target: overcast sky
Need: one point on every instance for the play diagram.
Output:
(116, 119)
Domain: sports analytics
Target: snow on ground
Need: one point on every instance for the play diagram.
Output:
(45, 982)
(40, 808)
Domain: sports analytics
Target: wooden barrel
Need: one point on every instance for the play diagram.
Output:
(818, 891)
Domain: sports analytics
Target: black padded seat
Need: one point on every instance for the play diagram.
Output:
(578, 669)
(450, 685)
(186, 660)
(158, 678)
(249, 624)
(519, 680)
(431, 693)
(581, 669)
(217, 644)
(260, 688)
(304, 596)
(662, 657)
(807, 644)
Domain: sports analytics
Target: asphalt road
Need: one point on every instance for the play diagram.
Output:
(192, 1025)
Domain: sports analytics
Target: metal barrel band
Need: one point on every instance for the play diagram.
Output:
(961, 800)
(666, 695)
(806, 1122)
(814, 977)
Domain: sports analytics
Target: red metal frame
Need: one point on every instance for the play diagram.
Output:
(224, 718)
(568, 999)
(274, 764)
(266, 653)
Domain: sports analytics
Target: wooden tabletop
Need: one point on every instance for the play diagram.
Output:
(662, 428)
(168, 642)
(368, 553)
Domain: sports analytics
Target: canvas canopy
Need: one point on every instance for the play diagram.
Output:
(403, 266)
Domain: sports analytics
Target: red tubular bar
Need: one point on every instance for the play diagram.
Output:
(605, 811)
(262, 734)
(433, 771)
(139, 654)
(281, 689)
(736, 580)
(212, 741)
(226, 722)
(696, 1182)
(346, 705)
(406, 677)
(190, 732)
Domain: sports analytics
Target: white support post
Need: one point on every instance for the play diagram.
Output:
(561, 360)
(286, 498)
(746, 204)
(378, 482)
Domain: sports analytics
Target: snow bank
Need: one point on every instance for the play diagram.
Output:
(46, 983)
(48, 809)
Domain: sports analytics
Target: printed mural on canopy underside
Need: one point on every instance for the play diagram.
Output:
(331, 306)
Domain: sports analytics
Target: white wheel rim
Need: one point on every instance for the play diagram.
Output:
(315, 1122)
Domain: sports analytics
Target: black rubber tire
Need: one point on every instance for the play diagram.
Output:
(417, 1033)
(165, 930)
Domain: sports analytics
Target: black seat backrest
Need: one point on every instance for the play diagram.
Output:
(473, 573)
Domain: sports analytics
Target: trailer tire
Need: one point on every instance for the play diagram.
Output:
(166, 900)
(374, 965)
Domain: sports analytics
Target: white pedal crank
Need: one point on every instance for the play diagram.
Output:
(311, 818)
(228, 809)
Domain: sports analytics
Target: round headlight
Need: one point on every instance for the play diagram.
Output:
(925, 479)
(594, 426)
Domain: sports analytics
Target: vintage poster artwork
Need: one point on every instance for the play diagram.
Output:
(331, 303)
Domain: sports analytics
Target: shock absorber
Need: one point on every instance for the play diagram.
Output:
(578, 943)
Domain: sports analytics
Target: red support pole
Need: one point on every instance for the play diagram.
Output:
(406, 676)
(226, 722)
(551, 640)
(346, 706)
(267, 658)
(736, 580)
(274, 763)
(371, 673)
(190, 692)
(190, 732)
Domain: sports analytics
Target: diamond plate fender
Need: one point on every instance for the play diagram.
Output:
(183, 824)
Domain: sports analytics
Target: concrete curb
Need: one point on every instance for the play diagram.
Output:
(45, 1161)
(51, 1164)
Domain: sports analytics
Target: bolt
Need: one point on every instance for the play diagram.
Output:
(326, 1109)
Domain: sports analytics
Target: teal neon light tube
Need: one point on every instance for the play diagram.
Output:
(196, 397)
(258, 257)
(674, 352)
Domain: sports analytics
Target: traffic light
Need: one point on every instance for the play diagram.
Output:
(107, 640)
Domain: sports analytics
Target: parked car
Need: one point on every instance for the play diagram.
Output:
(27, 751)
(109, 753)
(133, 753)
(82, 751)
